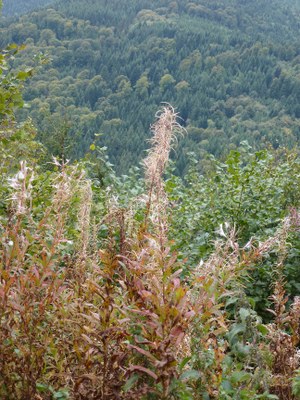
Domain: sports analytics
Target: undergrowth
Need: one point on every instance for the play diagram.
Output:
(95, 302)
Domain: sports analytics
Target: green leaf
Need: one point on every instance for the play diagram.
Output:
(236, 329)
(18, 352)
(192, 374)
(184, 362)
(262, 329)
(42, 387)
(244, 314)
(130, 383)
(226, 385)
(231, 300)
(240, 376)
(62, 394)
(266, 396)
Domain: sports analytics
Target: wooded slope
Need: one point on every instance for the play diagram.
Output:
(230, 68)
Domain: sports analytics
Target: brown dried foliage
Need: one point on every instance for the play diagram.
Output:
(118, 321)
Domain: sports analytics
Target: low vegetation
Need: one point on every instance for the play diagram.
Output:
(100, 300)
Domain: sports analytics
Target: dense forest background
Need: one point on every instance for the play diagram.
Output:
(230, 68)
(15, 7)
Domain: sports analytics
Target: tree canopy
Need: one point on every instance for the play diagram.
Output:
(230, 69)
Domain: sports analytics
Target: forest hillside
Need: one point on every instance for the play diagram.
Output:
(230, 68)
(17, 7)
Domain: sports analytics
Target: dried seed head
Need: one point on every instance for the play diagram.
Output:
(164, 136)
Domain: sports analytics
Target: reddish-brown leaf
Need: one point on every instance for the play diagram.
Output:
(143, 369)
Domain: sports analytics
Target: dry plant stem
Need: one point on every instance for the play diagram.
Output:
(158, 293)
(164, 137)
(101, 333)
(84, 229)
(220, 276)
(64, 191)
(21, 205)
(284, 333)
(213, 280)
(30, 288)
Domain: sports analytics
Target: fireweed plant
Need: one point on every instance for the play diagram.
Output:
(97, 301)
